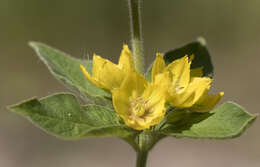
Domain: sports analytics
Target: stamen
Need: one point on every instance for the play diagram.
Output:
(139, 107)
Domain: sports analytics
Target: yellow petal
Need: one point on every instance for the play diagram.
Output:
(121, 103)
(180, 72)
(190, 95)
(107, 73)
(126, 59)
(132, 87)
(98, 62)
(158, 89)
(157, 111)
(207, 102)
(196, 72)
(158, 66)
(92, 80)
(138, 124)
(134, 81)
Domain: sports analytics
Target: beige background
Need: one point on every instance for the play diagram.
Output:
(81, 27)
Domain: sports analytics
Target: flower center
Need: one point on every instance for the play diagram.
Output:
(139, 107)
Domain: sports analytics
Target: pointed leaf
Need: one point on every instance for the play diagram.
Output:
(226, 121)
(62, 116)
(67, 69)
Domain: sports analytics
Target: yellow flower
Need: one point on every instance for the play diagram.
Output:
(186, 88)
(139, 103)
(107, 75)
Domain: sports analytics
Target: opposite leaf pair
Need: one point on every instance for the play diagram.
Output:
(142, 104)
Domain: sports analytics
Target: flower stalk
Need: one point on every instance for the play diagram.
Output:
(136, 34)
(141, 158)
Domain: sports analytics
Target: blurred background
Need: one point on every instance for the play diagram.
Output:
(81, 27)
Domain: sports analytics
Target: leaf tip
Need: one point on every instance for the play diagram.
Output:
(11, 107)
(35, 45)
(15, 107)
(32, 44)
(202, 41)
(254, 116)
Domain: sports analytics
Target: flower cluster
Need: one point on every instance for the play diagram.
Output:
(141, 103)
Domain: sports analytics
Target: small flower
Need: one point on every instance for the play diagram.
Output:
(139, 103)
(186, 88)
(107, 75)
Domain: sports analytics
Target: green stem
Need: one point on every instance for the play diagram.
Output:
(145, 142)
(136, 34)
(141, 158)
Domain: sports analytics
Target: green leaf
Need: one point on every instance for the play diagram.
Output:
(67, 69)
(198, 49)
(226, 121)
(62, 116)
(179, 120)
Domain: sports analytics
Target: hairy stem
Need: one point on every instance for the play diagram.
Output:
(136, 34)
